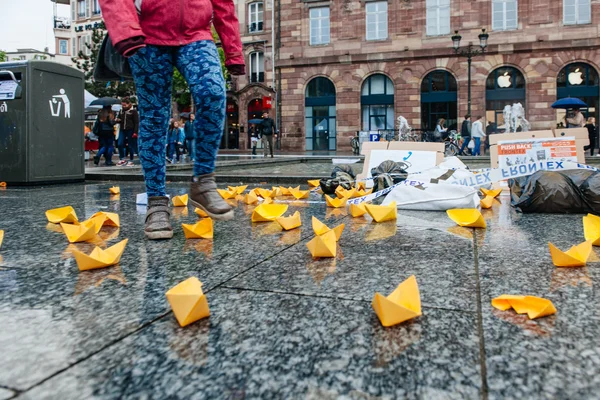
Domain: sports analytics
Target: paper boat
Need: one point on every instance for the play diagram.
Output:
(63, 214)
(534, 307)
(267, 200)
(382, 213)
(201, 213)
(362, 192)
(80, 233)
(1, 237)
(361, 186)
(188, 302)
(115, 190)
(289, 223)
(342, 193)
(299, 194)
(276, 191)
(250, 198)
(402, 304)
(576, 256)
(357, 210)
(227, 194)
(591, 229)
(97, 220)
(180, 201)
(335, 203)
(202, 229)
(99, 258)
(320, 228)
(264, 193)
(237, 189)
(286, 191)
(487, 202)
(467, 217)
(323, 246)
(314, 183)
(112, 219)
(268, 212)
(494, 193)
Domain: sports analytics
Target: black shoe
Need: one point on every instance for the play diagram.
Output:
(96, 160)
(109, 164)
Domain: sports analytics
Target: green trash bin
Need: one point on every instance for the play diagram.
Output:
(41, 123)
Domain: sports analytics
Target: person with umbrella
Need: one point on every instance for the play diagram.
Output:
(577, 120)
(104, 129)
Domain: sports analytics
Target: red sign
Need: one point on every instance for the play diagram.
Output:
(231, 108)
(266, 102)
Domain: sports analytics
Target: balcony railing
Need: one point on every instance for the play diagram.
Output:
(255, 27)
(257, 77)
(96, 12)
(62, 23)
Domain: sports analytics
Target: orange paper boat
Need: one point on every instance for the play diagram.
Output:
(115, 190)
(401, 305)
(188, 302)
(180, 201)
(382, 213)
(201, 213)
(202, 229)
(335, 203)
(357, 210)
(361, 186)
(467, 217)
(111, 219)
(323, 246)
(487, 202)
(227, 194)
(494, 192)
(264, 193)
(591, 229)
(576, 256)
(299, 194)
(289, 223)
(268, 212)
(99, 258)
(286, 191)
(314, 183)
(80, 233)
(63, 214)
(320, 228)
(534, 307)
(237, 189)
(250, 198)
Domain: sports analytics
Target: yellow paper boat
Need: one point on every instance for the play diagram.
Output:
(487, 202)
(286, 191)
(237, 189)
(362, 192)
(335, 203)
(361, 186)
(115, 190)
(467, 217)
(357, 210)
(289, 223)
(320, 228)
(268, 212)
(314, 183)
(265, 193)
(188, 302)
(202, 229)
(201, 213)
(342, 193)
(180, 201)
(299, 194)
(276, 191)
(323, 246)
(99, 258)
(97, 220)
(402, 304)
(534, 307)
(382, 213)
(576, 256)
(494, 192)
(250, 198)
(227, 194)
(80, 233)
(1, 237)
(112, 219)
(591, 229)
(267, 200)
(63, 214)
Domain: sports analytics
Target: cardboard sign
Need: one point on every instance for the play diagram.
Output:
(512, 153)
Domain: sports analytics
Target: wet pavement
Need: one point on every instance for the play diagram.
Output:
(283, 325)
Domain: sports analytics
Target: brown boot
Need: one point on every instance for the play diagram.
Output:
(158, 218)
(204, 195)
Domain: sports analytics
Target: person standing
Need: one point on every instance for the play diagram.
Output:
(130, 122)
(176, 138)
(591, 127)
(477, 133)
(267, 131)
(190, 139)
(440, 129)
(104, 128)
(253, 138)
(465, 133)
(577, 120)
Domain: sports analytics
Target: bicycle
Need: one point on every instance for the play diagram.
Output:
(452, 147)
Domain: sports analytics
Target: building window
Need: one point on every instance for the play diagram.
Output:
(81, 8)
(96, 9)
(255, 17)
(505, 86)
(63, 47)
(319, 26)
(438, 17)
(579, 80)
(504, 15)
(22, 57)
(377, 20)
(320, 118)
(577, 12)
(439, 100)
(377, 103)
(257, 67)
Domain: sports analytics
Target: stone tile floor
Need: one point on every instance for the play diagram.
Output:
(284, 325)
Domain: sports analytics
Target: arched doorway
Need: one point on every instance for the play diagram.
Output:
(504, 86)
(231, 136)
(255, 111)
(578, 80)
(438, 100)
(319, 106)
(377, 103)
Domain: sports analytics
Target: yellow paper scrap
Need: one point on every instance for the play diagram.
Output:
(323, 246)
(401, 305)
(299, 194)
(112, 219)
(63, 214)
(180, 201)
(80, 233)
(335, 203)
(357, 210)
(99, 258)
(268, 212)
(314, 183)
(289, 223)
(115, 190)
(467, 217)
(202, 229)
(494, 192)
(591, 228)
(188, 302)
(487, 202)
(201, 213)
(320, 228)
(576, 256)
(382, 213)
(534, 307)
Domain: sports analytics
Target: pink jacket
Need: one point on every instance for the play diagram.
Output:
(172, 23)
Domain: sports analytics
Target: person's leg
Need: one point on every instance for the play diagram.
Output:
(121, 146)
(265, 142)
(477, 148)
(465, 145)
(178, 150)
(102, 149)
(129, 139)
(270, 139)
(200, 65)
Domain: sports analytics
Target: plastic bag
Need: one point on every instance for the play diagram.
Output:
(110, 65)
(433, 197)
(471, 144)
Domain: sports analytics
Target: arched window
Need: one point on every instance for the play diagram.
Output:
(377, 103)
(504, 86)
(578, 80)
(438, 100)
(319, 102)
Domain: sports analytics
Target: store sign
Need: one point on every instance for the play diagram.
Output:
(231, 108)
(89, 27)
(267, 102)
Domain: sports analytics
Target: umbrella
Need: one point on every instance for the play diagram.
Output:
(569, 102)
(105, 101)
(255, 121)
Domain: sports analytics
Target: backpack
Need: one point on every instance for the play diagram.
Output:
(387, 174)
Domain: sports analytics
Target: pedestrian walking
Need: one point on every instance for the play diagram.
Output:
(477, 133)
(267, 131)
(253, 138)
(190, 139)
(104, 128)
(591, 127)
(176, 138)
(130, 122)
(465, 133)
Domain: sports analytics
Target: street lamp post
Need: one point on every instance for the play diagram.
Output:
(470, 51)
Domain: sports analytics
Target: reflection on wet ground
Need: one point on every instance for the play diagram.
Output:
(285, 325)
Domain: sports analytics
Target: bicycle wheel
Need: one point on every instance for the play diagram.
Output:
(451, 150)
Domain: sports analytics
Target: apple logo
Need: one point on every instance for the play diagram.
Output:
(504, 80)
(575, 77)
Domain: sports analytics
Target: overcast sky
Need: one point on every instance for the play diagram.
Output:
(28, 24)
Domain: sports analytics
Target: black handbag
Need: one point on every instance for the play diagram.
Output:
(111, 65)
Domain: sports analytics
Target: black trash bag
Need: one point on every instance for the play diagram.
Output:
(387, 174)
(111, 65)
(342, 175)
(566, 192)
